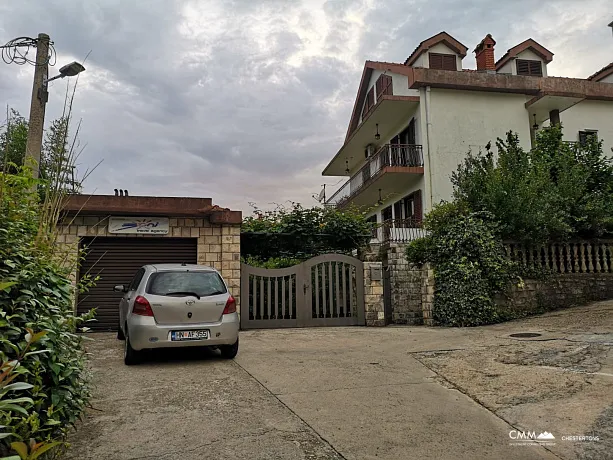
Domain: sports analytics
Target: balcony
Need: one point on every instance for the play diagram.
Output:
(400, 231)
(388, 112)
(387, 169)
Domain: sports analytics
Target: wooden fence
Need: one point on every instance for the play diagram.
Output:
(570, 257)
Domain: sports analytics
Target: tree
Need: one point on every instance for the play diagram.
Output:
(555, 191)
(13, 138)
(57, 158)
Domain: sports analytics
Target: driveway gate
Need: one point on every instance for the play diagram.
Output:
(326, 290)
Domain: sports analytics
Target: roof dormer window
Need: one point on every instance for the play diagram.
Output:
(442, 61)
(529, 67)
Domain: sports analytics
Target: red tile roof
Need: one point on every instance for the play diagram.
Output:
(602, 73)
(442, 37)
(386, 63)
(543, 52)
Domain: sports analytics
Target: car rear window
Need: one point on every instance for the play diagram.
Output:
(183, 282)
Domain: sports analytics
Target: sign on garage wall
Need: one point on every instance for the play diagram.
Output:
(150, 225)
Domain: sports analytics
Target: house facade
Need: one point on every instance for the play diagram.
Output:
(414, 122)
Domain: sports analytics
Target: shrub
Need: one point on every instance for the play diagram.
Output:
(273, 262)
(555, 191)
(37, 297)
(302, 233)
(470, 265)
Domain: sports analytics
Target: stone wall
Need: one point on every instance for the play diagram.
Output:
(427, 294)
(218, 245)
(560, 291)
(374, 308)
(405, 290)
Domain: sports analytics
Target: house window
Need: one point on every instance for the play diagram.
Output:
(443, 61)
(369, 103)
(409, 207)
(529, 67)
(383, 85)
(586, 135)
(386, 214)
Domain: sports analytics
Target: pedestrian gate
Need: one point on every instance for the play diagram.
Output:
(326, 290)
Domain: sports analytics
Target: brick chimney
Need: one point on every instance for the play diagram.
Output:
(485, 54)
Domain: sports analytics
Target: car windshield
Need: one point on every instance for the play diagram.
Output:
(184, 283)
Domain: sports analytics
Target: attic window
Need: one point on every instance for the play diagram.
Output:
(443, 61)
(529, 67)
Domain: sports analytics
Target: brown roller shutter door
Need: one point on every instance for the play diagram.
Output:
(116, 260)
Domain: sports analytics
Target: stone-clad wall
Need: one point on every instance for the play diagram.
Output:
(218, 245)
(559, 291)
(405, 285)
(373, 296)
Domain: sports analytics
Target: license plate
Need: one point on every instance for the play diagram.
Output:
(189, 335)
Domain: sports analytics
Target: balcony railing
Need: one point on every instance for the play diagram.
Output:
(410, 155)
(401, 230)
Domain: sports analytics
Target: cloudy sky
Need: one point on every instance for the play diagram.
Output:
(246, 100)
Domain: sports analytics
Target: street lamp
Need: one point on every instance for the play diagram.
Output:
(34, 143)
(69, 70)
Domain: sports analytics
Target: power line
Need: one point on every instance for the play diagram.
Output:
(16, 52)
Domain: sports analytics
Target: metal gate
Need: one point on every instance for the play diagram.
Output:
(326, 290)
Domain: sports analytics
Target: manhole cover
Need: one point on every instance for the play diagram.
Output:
(525, 335)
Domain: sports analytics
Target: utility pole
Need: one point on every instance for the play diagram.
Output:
(40, 95)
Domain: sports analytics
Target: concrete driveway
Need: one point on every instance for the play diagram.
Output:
(361, 393)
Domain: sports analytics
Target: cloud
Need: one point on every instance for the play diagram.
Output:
(247, 101)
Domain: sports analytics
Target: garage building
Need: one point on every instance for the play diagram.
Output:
(115, 235)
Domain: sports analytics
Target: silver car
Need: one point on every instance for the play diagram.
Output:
(173, 305)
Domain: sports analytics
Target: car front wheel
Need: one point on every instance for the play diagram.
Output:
(229, 351)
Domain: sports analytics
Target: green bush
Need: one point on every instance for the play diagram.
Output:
(273, 262)
(302, 233)
(553, 192)
(471, 267)
(36, 296)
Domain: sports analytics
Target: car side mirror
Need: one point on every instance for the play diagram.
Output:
(120, 288)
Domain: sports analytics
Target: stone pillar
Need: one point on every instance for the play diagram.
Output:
(405, 286)
(231, 259)
(373, 296)
(427, 294)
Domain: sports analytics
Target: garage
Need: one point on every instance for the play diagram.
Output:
(115, 261)
(112, 236)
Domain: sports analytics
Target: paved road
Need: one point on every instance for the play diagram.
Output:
(350, 393)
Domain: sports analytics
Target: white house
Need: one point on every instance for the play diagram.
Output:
(413, 123)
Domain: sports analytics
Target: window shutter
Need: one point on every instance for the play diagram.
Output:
(536, 68)
(418, 207)
(436, 61)
(443, 61)
(523, 67)
(529, 67)
(383, 85)
(449, 62)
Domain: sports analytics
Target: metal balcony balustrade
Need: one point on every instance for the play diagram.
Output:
(388, 155)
